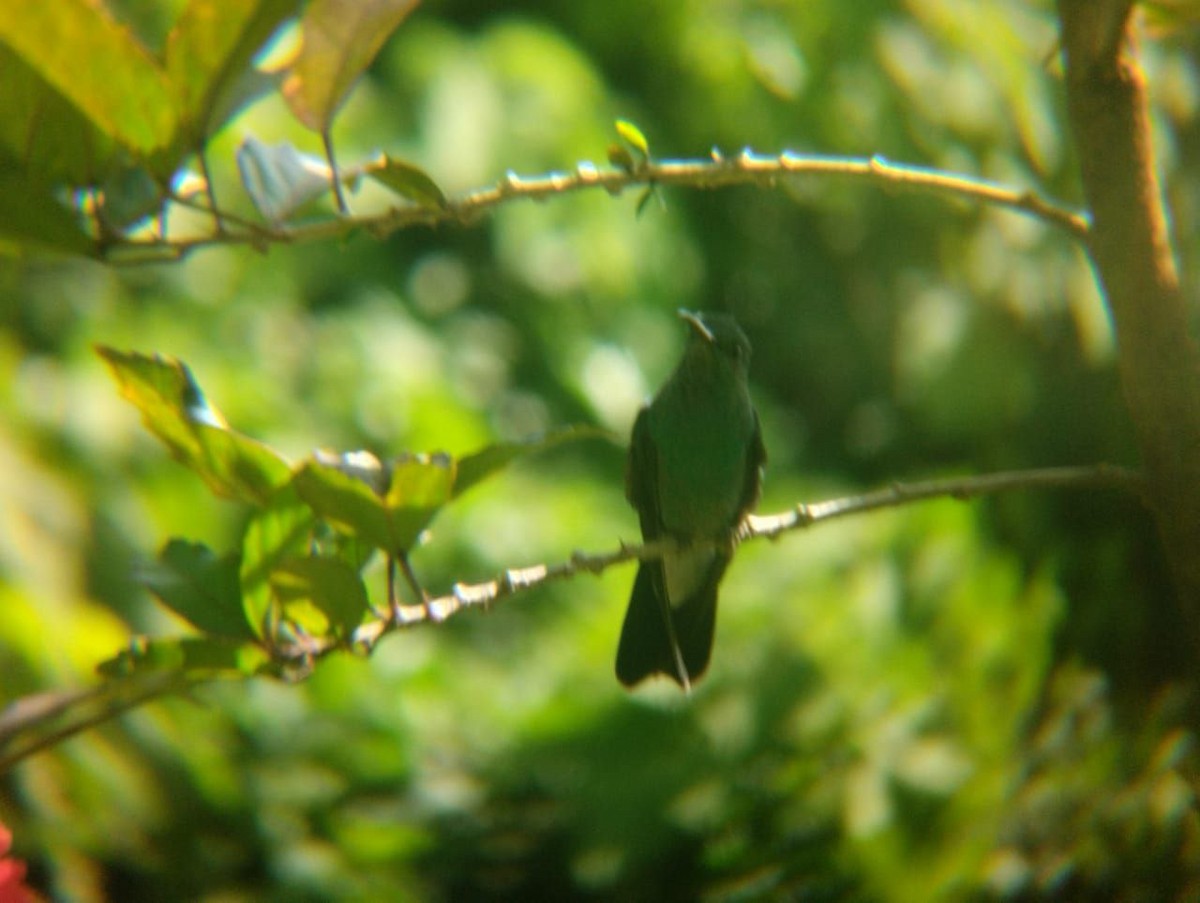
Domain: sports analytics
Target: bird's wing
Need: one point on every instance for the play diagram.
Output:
(756, 459)
(641, 477)
(649, 643)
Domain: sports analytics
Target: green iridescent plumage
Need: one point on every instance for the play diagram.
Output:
(694, 471)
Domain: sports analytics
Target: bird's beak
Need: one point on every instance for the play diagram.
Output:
(697, 324)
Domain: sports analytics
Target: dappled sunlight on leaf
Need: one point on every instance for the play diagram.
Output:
(274, 535)
(175, 410)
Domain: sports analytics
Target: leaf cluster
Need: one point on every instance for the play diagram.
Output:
(86, 160)
(294, 589)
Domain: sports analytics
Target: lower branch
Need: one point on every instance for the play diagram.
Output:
(462, 596)
(34, 723)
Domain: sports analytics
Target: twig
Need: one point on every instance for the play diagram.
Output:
(218, 221)
(334, 177)
(744, 168)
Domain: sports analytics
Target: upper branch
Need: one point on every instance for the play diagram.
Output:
(746, 168)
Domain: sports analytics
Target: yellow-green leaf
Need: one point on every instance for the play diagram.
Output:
(420, 486)
(277, 533)
(339, 40)
(330, 586)
(90, 59)
(346, 501)
(633, 135)
(407, 180)
(47, 136)
(387, 508)
(389, 504)
(176, 411)
(210, 48)
(32, 219)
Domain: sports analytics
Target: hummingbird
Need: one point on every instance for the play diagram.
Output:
(693, 473)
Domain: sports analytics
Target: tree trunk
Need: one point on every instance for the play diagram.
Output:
(1130, 250)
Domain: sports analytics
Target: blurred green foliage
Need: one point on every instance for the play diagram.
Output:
(951, 701)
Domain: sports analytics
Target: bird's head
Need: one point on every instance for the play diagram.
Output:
(718, 335)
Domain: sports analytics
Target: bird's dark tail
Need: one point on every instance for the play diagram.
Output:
(659, 639)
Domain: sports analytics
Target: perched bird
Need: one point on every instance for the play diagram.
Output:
(694, 471)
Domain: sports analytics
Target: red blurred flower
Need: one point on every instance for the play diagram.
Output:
(12, 873)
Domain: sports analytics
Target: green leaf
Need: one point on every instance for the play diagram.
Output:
(209, 52)
(163, 390)
(175, 410)
(331, 587)
(633, 135)
(50, 142)
(159, 111)
(340, 39)
(97, 64)
(237, 466)
(620, 157)
(194, 657)
(277, 533)
(388, 506)
(192, 581)
(420, 486)
(72, 57)
(353, 551)
(347, 502)
(644, 200)
(475, 468)
(242, 90)
(32, 219)
(407, 180)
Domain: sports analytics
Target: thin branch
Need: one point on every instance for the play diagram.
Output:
(463, 596)
(226, 218)
(80, 717)
(746, 168)
(28, 711)
(36, 713)
(805, 515)
(414, 585)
